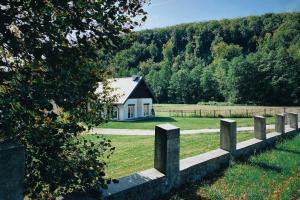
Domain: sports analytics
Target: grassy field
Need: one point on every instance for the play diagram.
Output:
(135, 153)
(181, 122)
(274, 174)
(166, 107)
(186, 123)
(207, 110)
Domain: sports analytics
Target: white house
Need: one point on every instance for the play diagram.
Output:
(135, 99)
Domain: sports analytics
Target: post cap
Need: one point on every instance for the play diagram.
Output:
(259, 116)
(166, 126)
(228, 120)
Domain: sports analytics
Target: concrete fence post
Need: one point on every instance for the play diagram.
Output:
(293, 120)
(12, 166)
(298, 111)
(280, 123)
(286, 119)
(260, 127)
(228, 135)
(166, 152)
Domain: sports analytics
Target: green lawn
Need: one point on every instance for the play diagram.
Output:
(183, 123)
(135, 153)
(274, 174)
(221, 108)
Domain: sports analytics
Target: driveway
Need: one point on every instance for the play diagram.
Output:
(108, 131)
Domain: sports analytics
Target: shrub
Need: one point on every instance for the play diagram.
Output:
(49, 69)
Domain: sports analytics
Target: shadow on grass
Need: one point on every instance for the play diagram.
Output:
(192, 191)
(156, 119)
(263, 166)
(287, 150)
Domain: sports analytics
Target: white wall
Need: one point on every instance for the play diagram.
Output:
(123, 109)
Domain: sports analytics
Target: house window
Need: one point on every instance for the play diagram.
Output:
(146, 109)
(114, 112)
(130, 110)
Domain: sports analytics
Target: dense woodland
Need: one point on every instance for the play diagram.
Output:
(253, 60)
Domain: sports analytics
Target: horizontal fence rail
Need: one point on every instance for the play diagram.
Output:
(234, 113)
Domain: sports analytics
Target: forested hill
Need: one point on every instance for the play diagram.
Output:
(245, 60)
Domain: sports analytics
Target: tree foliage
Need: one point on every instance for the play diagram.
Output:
(50, 58)
(244, 60)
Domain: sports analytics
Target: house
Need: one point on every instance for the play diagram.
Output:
(134, 98)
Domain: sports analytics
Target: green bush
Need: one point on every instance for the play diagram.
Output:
(49, 70)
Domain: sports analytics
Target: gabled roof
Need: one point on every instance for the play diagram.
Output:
(124, 87)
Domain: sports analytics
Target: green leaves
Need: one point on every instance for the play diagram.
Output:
(49, 70)
(241, 59)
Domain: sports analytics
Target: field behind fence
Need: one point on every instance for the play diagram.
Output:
(184, 110)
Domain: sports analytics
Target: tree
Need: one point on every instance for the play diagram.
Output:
(47, 58)
(209, 84)
(168, 50)
(179, 88)
(195, 76)
(164, 79)
(222, 50)
(221, 76)
(218, 46)
(153, 50)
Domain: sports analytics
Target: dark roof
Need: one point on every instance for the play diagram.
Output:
(129, 87)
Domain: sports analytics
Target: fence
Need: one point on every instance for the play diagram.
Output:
(220, 113)
(169, 171)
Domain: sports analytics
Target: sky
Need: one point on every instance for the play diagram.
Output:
(163, 13)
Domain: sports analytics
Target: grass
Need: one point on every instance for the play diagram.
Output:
(274, 174)
(135, 153)
(167, 107)
(220, 108)
(181, 122)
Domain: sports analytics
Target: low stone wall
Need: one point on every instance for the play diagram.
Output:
(169, 172)
(12, 162)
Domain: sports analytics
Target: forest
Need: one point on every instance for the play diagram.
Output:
(249, 60)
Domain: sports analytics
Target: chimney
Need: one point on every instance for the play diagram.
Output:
(135, 77)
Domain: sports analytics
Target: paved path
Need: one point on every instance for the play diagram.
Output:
(106, 131)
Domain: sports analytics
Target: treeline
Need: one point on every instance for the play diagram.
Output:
(245, 60)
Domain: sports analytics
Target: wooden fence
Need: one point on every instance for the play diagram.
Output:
(219, 113)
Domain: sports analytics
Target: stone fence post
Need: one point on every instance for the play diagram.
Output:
(280, 123)
(286, 119)
(228, 135)
(293, 120)
(260, 127)
(166, 152)
(12, 166)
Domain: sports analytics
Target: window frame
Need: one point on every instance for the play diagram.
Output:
(148, 109)
(130, 114)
